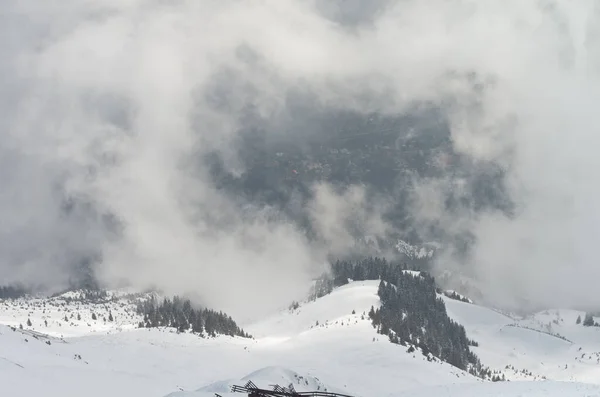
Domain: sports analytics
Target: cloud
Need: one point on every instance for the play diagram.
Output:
(339, 216)
(534, 119)
(110, 104)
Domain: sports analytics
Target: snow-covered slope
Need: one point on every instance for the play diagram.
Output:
(548, 345)
(71, 314)
(343, 351)
(267, 377)
(263, 378)
(509, 389)
(326, 344)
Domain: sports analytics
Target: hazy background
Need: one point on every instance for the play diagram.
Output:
(123, 121)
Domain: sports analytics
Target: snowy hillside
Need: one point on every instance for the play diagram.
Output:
(508, 389)
(267, 377)
(328, 344)
(72, 313)
(343, 351)
(264, 378)
(548, 345)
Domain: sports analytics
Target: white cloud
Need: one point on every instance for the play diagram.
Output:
(99, 97)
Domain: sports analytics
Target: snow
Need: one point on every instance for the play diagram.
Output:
(415, 252)
(449, 293)
(320, 345)
(264, 378)
(330, 310)
(546, 345)
(504, 389)
(47, 315)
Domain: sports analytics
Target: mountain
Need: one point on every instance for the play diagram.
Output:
(283, 157)
(327, 343)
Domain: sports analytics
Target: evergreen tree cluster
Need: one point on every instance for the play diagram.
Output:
(411, 313)
(365, 269)
(455, 296)
(95, 296)
(588, 321)
(179, 313)
(12, 292)
(322, 286)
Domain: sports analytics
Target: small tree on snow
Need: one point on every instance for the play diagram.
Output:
(94, 317)
(29, 322)
(578, 320)
(110, 317)
(372, 313)
(588, 321)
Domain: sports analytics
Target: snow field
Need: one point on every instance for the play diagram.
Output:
(325, 344)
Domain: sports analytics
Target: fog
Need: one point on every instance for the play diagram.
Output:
(106, 106)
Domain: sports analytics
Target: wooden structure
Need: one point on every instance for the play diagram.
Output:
(253, 391)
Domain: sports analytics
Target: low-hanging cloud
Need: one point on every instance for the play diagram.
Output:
(108, 105)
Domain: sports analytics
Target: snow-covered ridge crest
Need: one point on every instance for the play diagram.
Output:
(264, 378)
(425, 251)
(75, 313)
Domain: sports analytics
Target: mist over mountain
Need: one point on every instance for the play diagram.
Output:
(204, 147)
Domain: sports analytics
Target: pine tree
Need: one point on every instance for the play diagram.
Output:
(94, 317)
(180, 314)
(110, 316)
(29, 322)
(578, 320)
(588, 321)
(78, 317)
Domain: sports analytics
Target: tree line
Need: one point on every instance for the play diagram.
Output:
(179, 313)
(588, 320)
(411, 313)
(12, 292)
